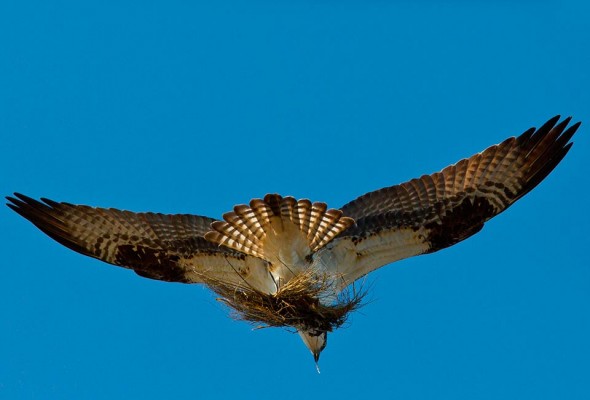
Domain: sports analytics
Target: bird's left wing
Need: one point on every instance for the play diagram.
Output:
(157, 246)
(436, 211)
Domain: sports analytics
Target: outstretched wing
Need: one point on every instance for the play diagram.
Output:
(157, 246)
(436, 211)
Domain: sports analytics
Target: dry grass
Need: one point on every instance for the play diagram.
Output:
(299, 303)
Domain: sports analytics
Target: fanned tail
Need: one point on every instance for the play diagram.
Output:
(279, 227)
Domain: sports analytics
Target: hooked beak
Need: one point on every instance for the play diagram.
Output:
(315, 342)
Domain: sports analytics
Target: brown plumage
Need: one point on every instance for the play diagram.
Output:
(285, 262)
(455, 202)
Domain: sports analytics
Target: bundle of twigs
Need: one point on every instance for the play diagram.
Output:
(306, 301)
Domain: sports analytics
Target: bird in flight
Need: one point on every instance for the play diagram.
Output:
(283, 262)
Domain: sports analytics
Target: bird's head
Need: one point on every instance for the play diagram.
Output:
(315, 341)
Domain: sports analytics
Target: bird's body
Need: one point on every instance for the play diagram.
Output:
(279, 261)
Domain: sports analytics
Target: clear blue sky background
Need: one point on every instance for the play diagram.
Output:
(171, 107)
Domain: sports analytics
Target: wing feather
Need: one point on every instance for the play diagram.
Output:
(157, 246)
(436, 211)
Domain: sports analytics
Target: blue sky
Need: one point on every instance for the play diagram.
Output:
(177, 107)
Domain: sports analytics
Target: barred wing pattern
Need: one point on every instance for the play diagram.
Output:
(436, 211)
(157, 246)
(280, 261)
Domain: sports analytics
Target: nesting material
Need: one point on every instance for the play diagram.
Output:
(302, 302)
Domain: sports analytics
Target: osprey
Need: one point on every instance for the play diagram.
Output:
(284, 262)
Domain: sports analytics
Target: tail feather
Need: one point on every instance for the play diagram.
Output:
(278, 223)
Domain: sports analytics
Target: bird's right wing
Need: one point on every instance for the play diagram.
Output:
(435, 211)
(157, 246)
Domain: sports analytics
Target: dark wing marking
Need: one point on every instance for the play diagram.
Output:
(156, 246)
(453, 204)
